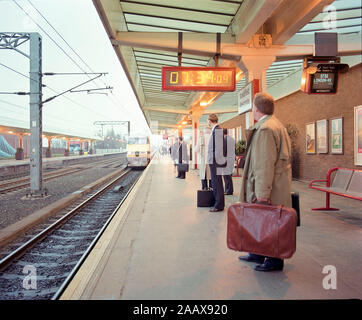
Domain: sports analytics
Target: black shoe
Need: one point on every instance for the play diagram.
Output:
(228, 194)
(267, 266)
(215, 210)
(252, 258)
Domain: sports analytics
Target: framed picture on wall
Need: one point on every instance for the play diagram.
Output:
(337, 136)
(358, 135)
(310, 138)
(239, 134)
(322, 136)
(232, 132)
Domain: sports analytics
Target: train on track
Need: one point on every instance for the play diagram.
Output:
(138, 152)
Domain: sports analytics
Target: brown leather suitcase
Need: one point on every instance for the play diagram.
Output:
(262, 229)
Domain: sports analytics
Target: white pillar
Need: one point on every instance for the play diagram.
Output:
(255, 67)
(195, 136)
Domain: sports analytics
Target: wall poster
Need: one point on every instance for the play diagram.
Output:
(337, 136)
(310, 138)
(231, 133)
(240, 136)
(322, 136)
(358, 135)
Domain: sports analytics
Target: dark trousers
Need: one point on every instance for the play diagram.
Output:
(218, 188)
(229, 188)
(181, 174)
(204, 184)
(272, 261)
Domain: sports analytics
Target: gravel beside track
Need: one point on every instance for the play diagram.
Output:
(56, 255)
(14, 206)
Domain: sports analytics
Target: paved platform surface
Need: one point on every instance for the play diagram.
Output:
(163, 247)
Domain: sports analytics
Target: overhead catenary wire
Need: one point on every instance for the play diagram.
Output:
(20, 93)
(53, 90)
(24, 122)
(53, 118)
(55, 42)
(20, 73)
(46, 33)
(71, 48)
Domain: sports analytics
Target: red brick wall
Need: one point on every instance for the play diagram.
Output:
(300, 108)
(234, 123)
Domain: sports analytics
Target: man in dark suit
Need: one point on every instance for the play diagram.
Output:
(182, 157)
(216, 160)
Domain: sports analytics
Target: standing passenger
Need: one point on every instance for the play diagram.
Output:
(173, 152)
(201, 149)
(182, 157)
(215, 159)
(267, 175)
(228, 170)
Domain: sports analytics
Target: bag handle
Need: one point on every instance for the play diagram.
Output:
(280, 206)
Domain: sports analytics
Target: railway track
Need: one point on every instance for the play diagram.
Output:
(41, 268)
(21, 183)
(49, 167)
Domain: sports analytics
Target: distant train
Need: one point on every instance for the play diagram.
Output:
(138, 152)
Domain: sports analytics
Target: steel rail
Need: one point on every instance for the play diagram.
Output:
(46, 175)
(6, 261)
(91, 246)
(50, 175)
(24, 185)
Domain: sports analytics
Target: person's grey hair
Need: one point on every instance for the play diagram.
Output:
(213, 118)
(264, 103)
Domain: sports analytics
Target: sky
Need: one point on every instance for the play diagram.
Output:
(77, 22)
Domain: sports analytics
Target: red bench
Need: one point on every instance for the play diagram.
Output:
(346, 183)
(238, 160)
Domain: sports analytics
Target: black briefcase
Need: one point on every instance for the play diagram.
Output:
(205, 198)
(183, 167)
(295, 206)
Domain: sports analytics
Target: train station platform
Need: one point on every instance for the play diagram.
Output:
(161, 246)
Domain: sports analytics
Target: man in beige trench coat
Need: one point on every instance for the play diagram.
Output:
(267, 175)
(201, 149)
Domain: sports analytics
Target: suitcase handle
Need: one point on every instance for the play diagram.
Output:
(280, 210)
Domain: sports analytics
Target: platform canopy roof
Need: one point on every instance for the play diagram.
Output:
(46, 134)
(145, 33)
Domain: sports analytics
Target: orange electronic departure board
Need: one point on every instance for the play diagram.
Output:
(198, 79)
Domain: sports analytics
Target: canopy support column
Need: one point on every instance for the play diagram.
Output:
(256, 67)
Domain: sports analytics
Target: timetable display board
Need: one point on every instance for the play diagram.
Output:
(246, 96)
(320, 76)
(198, 79)
(325, 80)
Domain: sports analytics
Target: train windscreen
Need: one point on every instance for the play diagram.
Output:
(137, 141)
